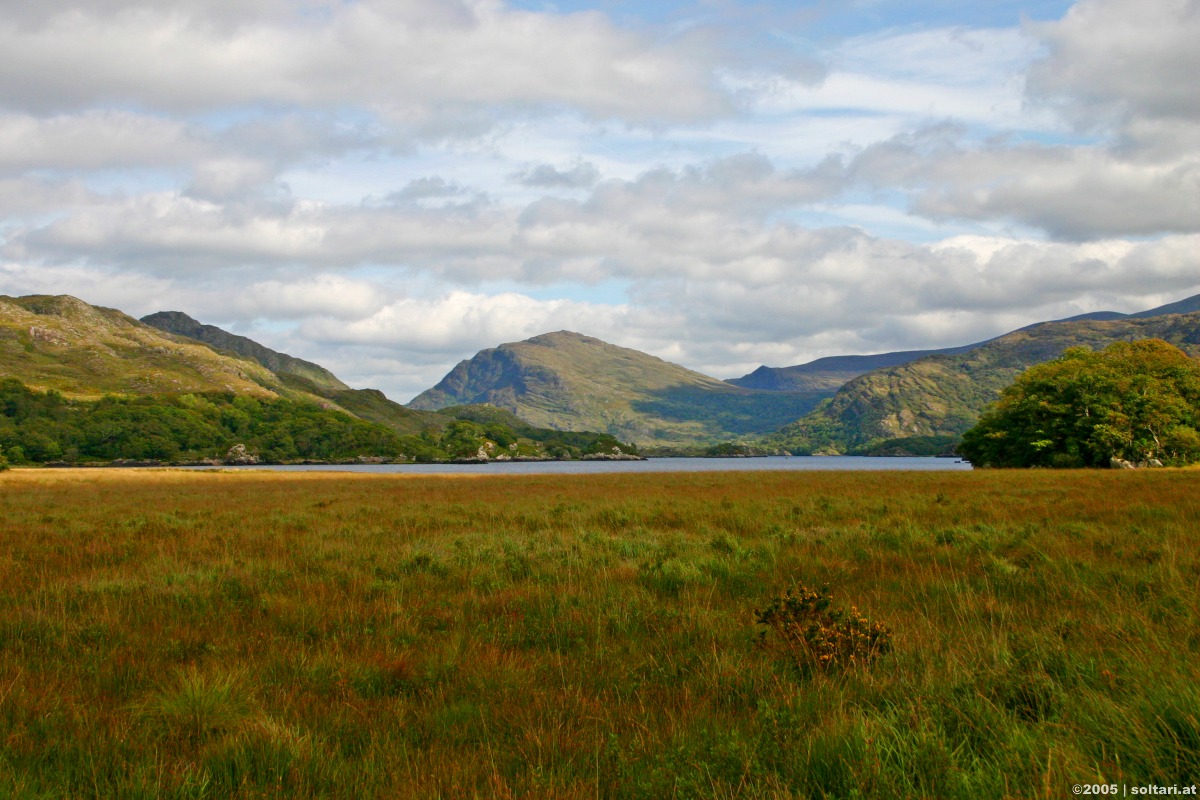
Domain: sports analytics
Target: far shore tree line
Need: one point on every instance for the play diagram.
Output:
(45, 427)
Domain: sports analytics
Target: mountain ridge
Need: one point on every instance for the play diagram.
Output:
(568, 381)
(181, 324)
(298, 376)
(87, 384)
(834, 371)
(831, 372)
(64, 344)
(943, 395)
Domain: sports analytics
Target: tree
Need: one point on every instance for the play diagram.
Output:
(1134, 401)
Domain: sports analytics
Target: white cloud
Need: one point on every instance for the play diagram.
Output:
(1120, 59)
(546, 176)
(973, 76)
(97, 139)
(327, 296)
(720, 222)
(424, 64)
(1071, 192)
(696, 220)
(228, 178)
(465, 320)
(33, 197)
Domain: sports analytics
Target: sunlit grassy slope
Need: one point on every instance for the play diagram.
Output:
(84, 351)
(64, 344)
(171, 634)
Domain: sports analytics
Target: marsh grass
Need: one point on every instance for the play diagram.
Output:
(182, 635)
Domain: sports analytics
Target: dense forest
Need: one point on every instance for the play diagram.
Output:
(46, 427)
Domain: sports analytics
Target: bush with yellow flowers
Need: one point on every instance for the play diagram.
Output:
(819, 637)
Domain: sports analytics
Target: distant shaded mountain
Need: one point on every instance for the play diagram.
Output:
(181, 324)
(84, 351)
(299, 376)
(943, 395)
(1189, 305)
(832, 372)
(568, 381)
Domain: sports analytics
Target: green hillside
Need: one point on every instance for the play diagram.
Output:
(568, 381)
(374, 406)
(84, 351)
(943, 396)
(39, 427)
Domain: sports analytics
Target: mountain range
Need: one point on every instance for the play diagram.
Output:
(942, 396)
(917, 401)
(908, 401)
(84, 352)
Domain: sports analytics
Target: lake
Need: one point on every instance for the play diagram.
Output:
(770, 464)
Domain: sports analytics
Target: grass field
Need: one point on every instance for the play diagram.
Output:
(173, 634)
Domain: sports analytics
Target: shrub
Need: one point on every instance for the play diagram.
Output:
(816, 636)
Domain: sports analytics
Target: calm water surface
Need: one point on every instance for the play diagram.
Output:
(770, 464)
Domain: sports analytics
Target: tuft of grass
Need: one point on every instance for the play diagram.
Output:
(195, 706)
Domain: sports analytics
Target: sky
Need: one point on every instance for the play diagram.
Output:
(387, 187)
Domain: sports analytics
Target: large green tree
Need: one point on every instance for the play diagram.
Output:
(1134, 401)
